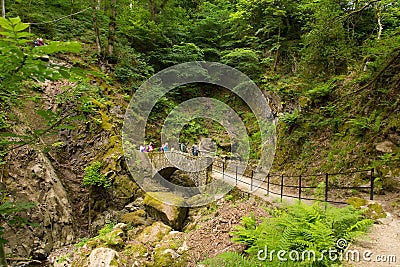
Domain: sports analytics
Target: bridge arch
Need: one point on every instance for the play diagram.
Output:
(163, 165)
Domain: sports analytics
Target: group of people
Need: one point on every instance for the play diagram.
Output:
(150, 147)
(38, 42)
(147, 148)
(164, 148)
(195, 149)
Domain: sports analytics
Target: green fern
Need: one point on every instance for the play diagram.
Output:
(300, 228)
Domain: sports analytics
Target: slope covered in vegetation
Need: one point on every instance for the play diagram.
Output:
(330, 70)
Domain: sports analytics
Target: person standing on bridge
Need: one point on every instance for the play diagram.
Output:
(151, 146)
(142, 148)
(165, 147)
(182, 147)
(195, 150)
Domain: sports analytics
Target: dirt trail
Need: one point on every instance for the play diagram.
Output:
(381, 247)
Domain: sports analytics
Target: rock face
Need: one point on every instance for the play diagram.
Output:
(103, 257)
(173, 215)
(31, 177)
(154, 233)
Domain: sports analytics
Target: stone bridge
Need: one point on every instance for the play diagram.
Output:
(197, 169)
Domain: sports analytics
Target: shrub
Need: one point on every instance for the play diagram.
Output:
(290, 119)
(93, 177)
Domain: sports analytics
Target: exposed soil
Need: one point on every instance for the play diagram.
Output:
(212, 234)
(381, 247)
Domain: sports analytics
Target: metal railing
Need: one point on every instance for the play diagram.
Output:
(280, 184)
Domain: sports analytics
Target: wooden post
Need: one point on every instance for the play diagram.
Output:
(236, 174)
(282, 187)
(268, 176)
(223, 169)
(251, 181)
(371, 196)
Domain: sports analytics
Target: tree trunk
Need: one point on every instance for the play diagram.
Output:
(3, 8)
(153, 10)
(111, 29)
(3, 262)
(96, 27)
(380, 27)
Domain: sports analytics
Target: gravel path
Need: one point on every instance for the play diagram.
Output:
(381, 247)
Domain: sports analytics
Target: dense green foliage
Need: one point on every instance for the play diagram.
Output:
(314, 38)
(299, 50)
(330, 69)
(297, 228)
(93, 177)
(21, 63)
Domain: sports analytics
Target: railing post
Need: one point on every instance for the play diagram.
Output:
(371, 196)
(282, 187)
(300, 187)
(251, 181)
(268, 176)
(236, 171)
(326, 187)
(223, 169)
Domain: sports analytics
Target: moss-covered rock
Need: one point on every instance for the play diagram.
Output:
(169, 251)
(137, 250)
(173, 215)
(375, 211)
(105, 257)
(124, 187)
(153, 233)
(166, 257)
(357, 202)
(371, 209)
(135, 218)
(113, 239)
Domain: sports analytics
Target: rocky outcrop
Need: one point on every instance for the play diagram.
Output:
(103, 257)
(32, 178)
(173, 215)
(154, 245)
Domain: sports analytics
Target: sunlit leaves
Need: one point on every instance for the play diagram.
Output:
(57, 47)
(12, 30)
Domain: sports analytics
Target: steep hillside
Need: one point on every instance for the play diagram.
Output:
(330, 71)
(349, 122)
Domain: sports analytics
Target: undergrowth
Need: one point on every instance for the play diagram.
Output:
(295, 231)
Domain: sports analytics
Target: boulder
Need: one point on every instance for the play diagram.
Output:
(153, 233)
(115, 238)
(103, 257)
(124, 188)
(386, 147)
(135, 218)
(173, 214)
